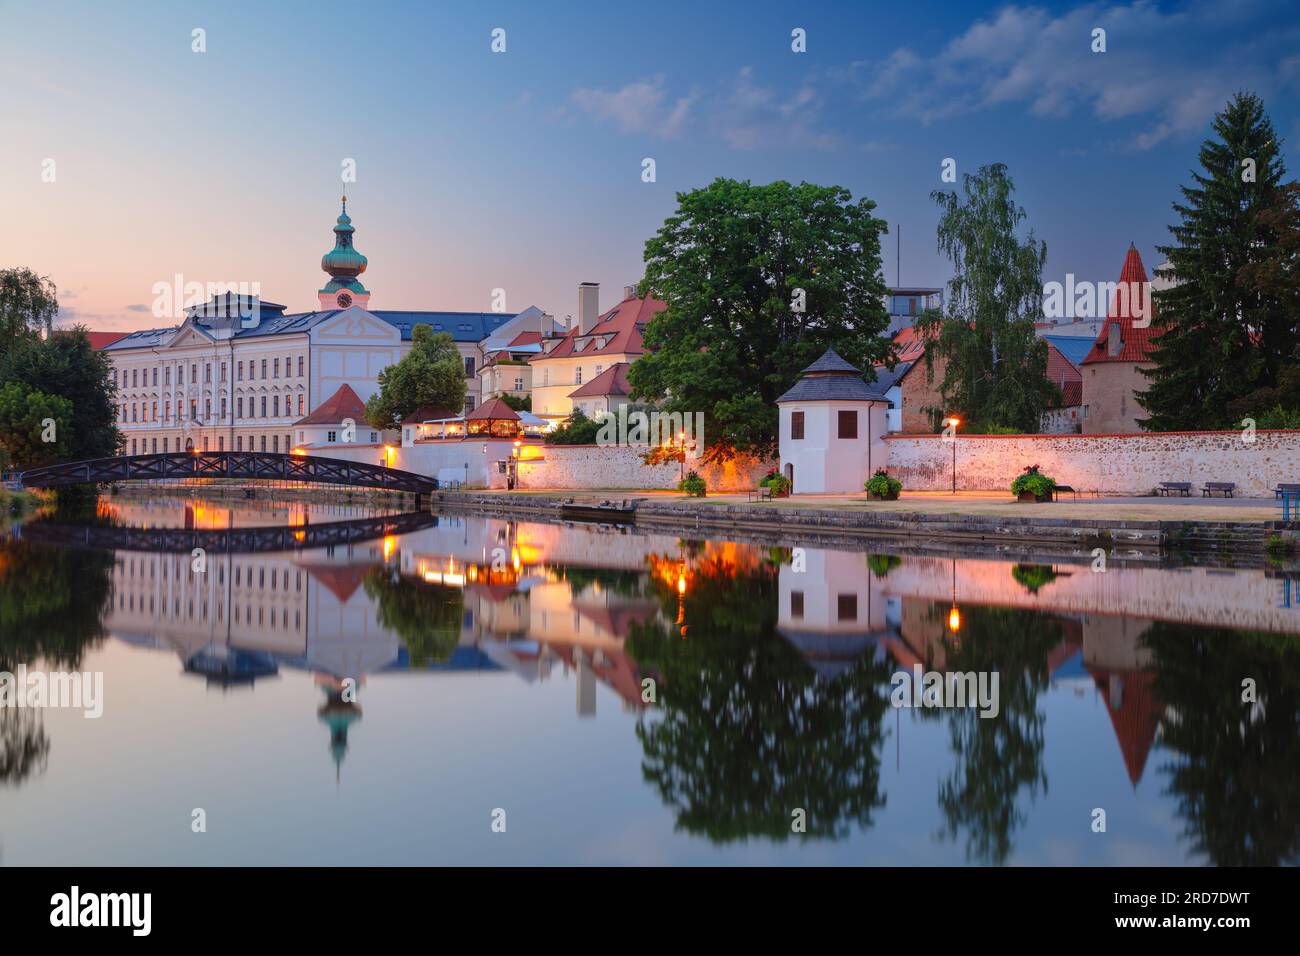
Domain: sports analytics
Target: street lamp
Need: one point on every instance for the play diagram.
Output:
(952, 422)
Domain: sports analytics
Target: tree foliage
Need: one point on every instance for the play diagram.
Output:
(432, 373)
(28, 305)
(577, 429)
(65, 362)
(27, 418)
(1228, 326)
(994, 363)
(730, 264)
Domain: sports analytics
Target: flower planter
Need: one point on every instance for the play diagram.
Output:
(1030, 496)
(891, 497)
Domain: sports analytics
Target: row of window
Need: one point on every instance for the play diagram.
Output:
(148, 411)
(127, 602)
(846, 424)
(546, 376)
(149, 446)
(846, 606)
(137, 379)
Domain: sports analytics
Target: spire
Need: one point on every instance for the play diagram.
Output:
(343, 264)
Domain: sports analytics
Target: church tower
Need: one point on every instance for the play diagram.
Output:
(343, 264)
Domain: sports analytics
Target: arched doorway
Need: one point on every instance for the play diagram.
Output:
(789, 475)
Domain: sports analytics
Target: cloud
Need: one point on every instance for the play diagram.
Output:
(753, 116)
(1171, 70)
(138, 307)
(640, 107)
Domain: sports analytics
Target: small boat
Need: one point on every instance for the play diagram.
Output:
(605, 512)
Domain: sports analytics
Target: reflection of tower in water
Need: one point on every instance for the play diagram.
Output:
(338, 715)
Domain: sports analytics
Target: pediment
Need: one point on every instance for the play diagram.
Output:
(189, 334)
(356, 326)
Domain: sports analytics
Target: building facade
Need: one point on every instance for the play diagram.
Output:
(1112, 369)
(239, 371)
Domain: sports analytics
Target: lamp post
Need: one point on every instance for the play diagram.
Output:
(952, 422)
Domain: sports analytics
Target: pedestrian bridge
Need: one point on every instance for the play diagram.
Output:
(244, 465)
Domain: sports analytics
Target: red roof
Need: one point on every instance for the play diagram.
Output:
(525, 338)
(620, 328)
(1062, 373)
(102, 340)
(1135, 343)
(429, 413)
(612, 381)
(908, 344)
(344, 403)
(493, 409)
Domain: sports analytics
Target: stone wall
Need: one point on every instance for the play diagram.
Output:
(595, 466)
(1110, 464)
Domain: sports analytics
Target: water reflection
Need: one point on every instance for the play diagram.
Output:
(756, 679)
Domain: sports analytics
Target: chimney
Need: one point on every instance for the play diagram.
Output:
(1114, 344)
(588, 306)
(629, 292)
(547, 323)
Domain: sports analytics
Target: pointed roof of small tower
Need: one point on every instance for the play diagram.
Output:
(831, 378)
(343, 263)
(1134, 343)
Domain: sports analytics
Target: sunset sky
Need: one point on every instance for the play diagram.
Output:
(522, 170)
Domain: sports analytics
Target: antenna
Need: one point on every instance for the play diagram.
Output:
(898, 257)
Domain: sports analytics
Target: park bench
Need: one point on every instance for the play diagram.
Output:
(1056, 492)
(1283, 488)
(761, 494)
(1213, 488)
(1183, 488)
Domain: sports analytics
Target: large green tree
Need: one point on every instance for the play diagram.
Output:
(758, 281)
(28, 305)
(34, 427)
(65, 363)
(432, 373)
(1225, 330)
(994, 364)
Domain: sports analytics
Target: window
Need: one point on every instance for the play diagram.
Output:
(223, 371)
(469, 405)
(300, 403)
(275, 405)
(223, 407)
(155, 376)
(154, 412)
(287, 443)
(300, 366)
(239, 371)
(134, 416)
(133, 446)
(207, 372)
(263, 443)
(164, 445)
(264, 409)
(848, 423)
(194, 410)
(331, 436)
(374, 437)
(134, 375)
(239, 407)
(153, 445)
(263, 375)
(275, 443)
(167, 375)
(546, 376)
(578, 376)
(207, 408)
(519, 384)
(796, 425)
(847, 607)
(796, 604)
(194, 371)
(180, 374)
(469, 366)
(599, 369)
(221, 443)
(276, 368)
(239, 443)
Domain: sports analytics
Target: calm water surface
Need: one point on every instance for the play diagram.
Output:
(504, 665)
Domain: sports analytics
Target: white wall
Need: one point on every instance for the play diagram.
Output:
(824, 463)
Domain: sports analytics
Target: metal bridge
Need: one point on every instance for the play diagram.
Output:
(226, 540)
(246, 465)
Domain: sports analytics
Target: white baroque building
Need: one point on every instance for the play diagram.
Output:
(239, 371)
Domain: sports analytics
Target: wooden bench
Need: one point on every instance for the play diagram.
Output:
(1212, 488)
(1056, 492)
(761, 494)
(1183, 488)
(1286, 489)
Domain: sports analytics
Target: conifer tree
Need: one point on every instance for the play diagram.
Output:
(1221, 336)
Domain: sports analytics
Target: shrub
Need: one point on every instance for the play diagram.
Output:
(777, 482)
(1033, 576)
(882, 564)
(577, 429)
(881, 485)
(1033, 482)
(692, 485)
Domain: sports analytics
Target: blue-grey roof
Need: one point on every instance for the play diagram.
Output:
(885, 379)
(833, 388)
(462, 326)
(1073, 347)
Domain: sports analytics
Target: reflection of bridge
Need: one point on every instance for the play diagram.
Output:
(248, 465)
(227, 540)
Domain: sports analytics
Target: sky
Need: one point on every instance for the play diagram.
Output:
(522, 170)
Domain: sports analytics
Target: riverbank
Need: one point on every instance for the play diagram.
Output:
(1231, 533)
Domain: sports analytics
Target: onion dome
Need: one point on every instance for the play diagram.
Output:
(343, 262)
